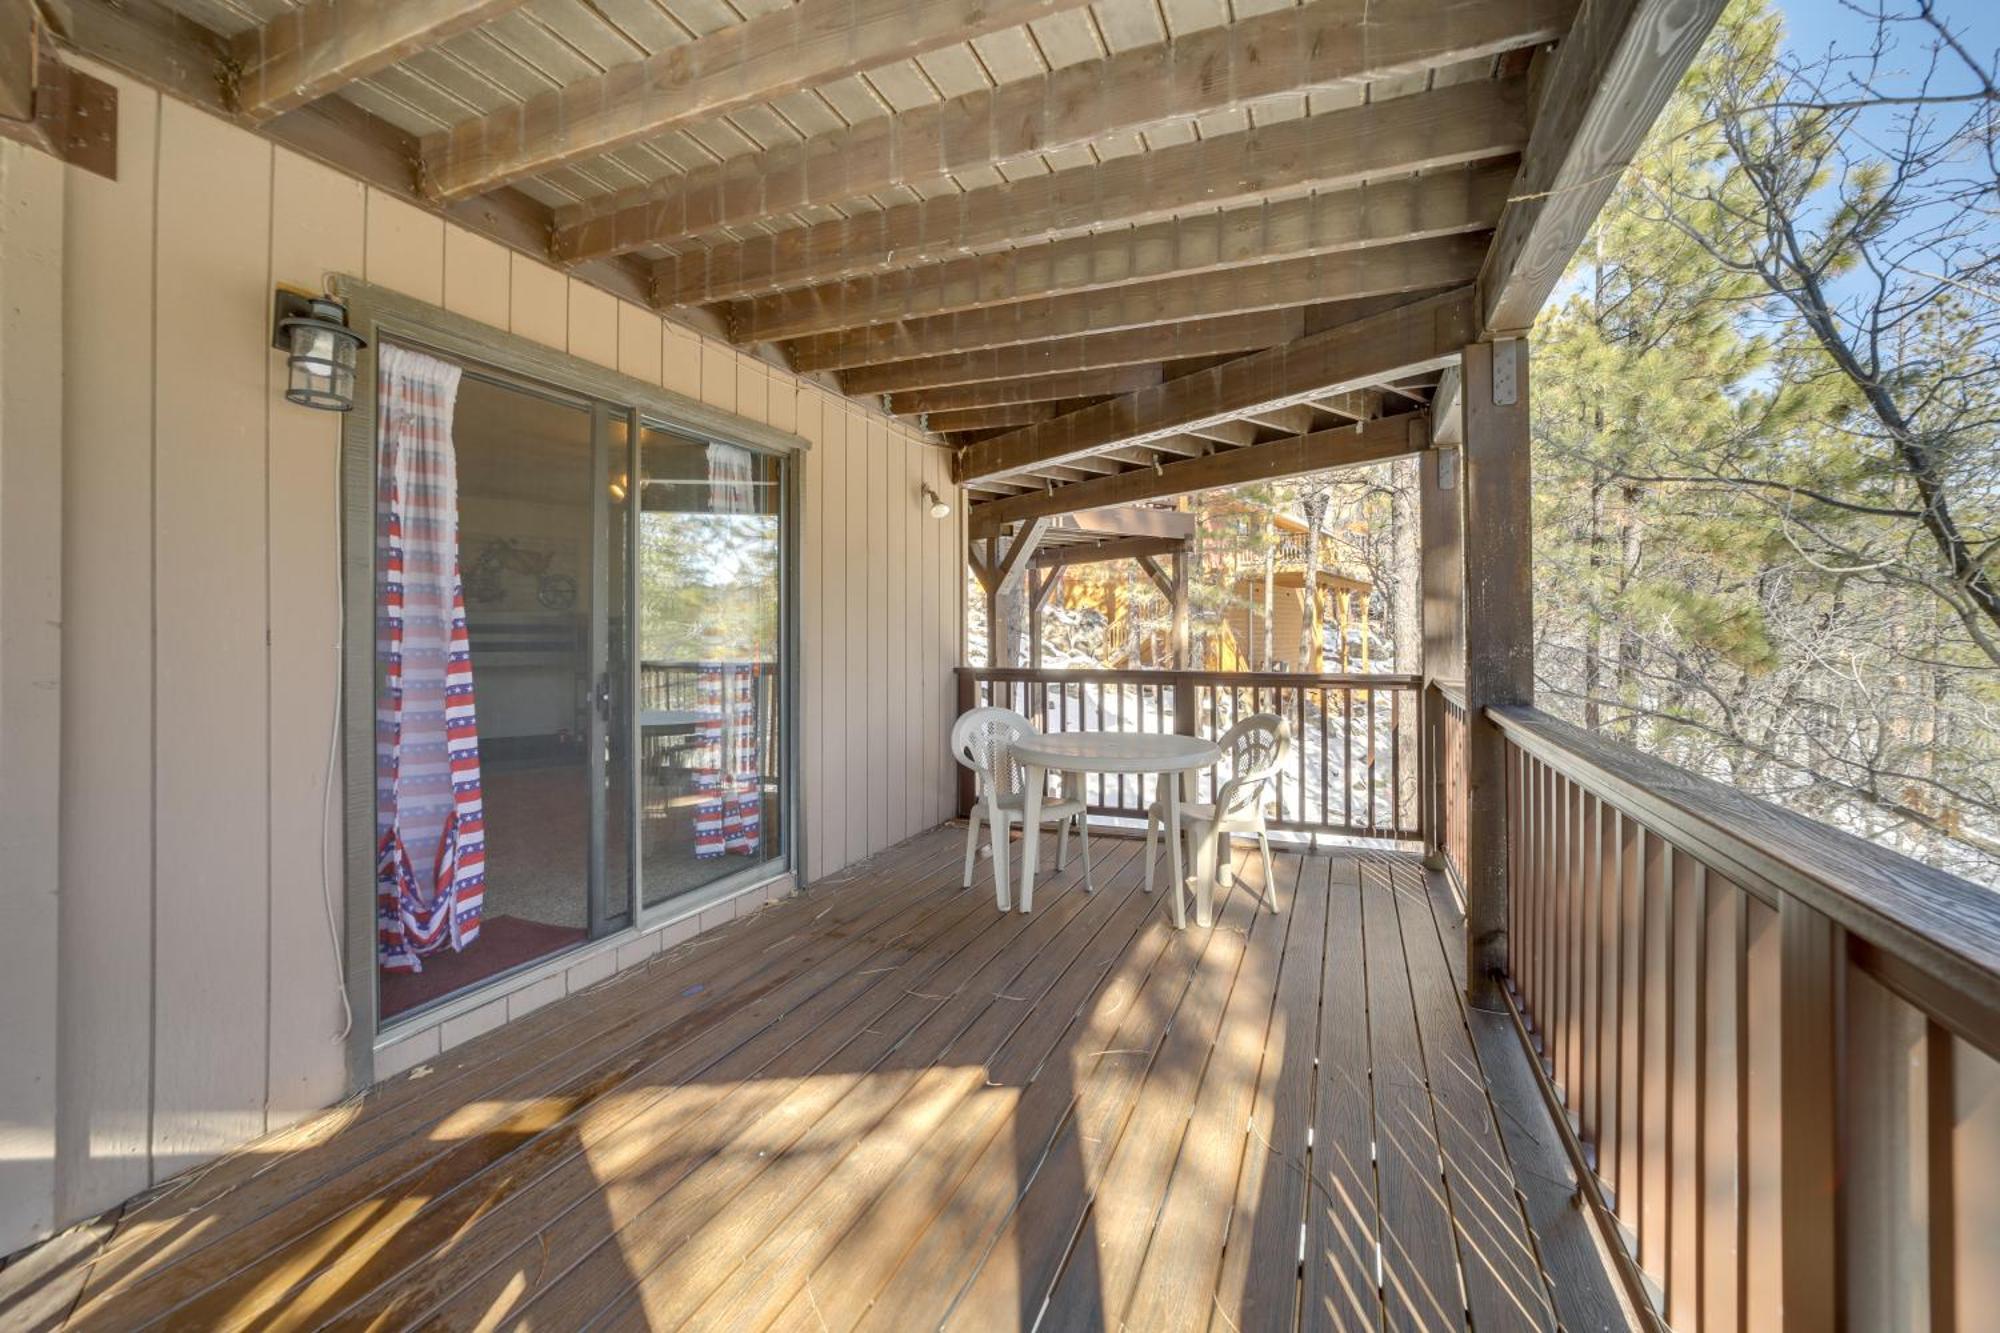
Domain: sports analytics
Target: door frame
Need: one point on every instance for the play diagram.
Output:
(376, 313)
(790, 636)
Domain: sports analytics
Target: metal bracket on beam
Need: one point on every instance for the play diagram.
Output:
(74, 116)
(1506, 385)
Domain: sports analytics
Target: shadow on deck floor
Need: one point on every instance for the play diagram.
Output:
(881, 1104)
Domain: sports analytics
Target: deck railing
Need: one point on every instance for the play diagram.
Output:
(1355, 768)
(1772, 1045)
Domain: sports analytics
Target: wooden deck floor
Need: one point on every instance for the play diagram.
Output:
(883, 1105)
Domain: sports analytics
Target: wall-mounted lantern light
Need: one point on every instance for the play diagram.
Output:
(319, 347)
(940, 507)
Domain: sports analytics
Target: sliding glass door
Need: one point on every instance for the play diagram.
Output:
(579, 673)
(709, 573)
(512, 495)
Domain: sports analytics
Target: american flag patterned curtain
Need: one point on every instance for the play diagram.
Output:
(728, 770)
(430, 819)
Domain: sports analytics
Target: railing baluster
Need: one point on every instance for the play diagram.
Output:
(1374, 825)
(1299, 732)
(1207, 704)
(1347, 757)
(1396, 828)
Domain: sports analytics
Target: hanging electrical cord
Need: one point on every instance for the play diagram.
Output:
(332, 758)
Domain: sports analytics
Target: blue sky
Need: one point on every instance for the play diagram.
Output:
(1812, 26)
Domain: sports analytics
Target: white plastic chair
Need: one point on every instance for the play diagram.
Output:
(983, 740)
(1256, 749)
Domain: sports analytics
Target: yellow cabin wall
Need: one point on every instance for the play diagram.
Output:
(180, 997)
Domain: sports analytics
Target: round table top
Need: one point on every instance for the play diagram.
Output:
(1117, 751)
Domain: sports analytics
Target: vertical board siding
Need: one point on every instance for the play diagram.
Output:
(405, 247)
(593, 324)
(316, 227)
(103, 1134)
(31, 654)
(477, 279)
(210, 677)
(193, 999)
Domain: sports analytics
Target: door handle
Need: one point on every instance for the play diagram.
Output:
(604, 695)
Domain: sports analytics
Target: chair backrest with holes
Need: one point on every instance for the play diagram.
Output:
(1256, 749)
(983, 740)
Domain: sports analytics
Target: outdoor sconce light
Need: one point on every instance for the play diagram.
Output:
(940, 507)
(312, 331)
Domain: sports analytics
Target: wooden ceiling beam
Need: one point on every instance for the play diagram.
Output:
(1444, 408)
(1034, 389)
(1354, 275)
(1238, 333)
(1355, 404)
(169, 51)
(1119, 548)
(1298, 419)
(1466, 123)
(319, 48)
(1294, 50)
(1342, 446)
(1417, 336)
(1374, 213)
(1129, 521)
(1611, 75)
(1235, 434)
(988, 418)
(1097, 464)
(783, 51)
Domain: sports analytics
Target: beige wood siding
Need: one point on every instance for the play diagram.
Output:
(188, 993)
(31, 648)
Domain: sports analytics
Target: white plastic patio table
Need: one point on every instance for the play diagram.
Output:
(1171, 756)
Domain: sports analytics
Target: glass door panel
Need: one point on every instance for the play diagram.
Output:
(710, 548)
(530, 500)
(613, 743)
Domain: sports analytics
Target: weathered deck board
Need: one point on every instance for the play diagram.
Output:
(1421, 1283)
(1342, 1259)
(1267, 1216)
(334, 1217)
(1503, 1281)
(881, 1104)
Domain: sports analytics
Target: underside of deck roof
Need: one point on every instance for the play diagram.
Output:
(1105, 251)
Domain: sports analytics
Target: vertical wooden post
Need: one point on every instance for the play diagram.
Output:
(1443, 624)
(1182, 624)
(1010, 571)
(1037, 583)
(1494, 498)
(968, 699)
(1316, 659)
(982, 553)
(1040, 585)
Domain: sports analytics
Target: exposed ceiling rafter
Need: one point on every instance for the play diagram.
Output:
(1469, 122)
(742, 65)
(1292, 50)
(1422, 335)
(1390, 270)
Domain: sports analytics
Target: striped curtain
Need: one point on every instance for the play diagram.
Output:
(430, 821)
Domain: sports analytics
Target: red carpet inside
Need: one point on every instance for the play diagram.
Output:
(504, 942)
